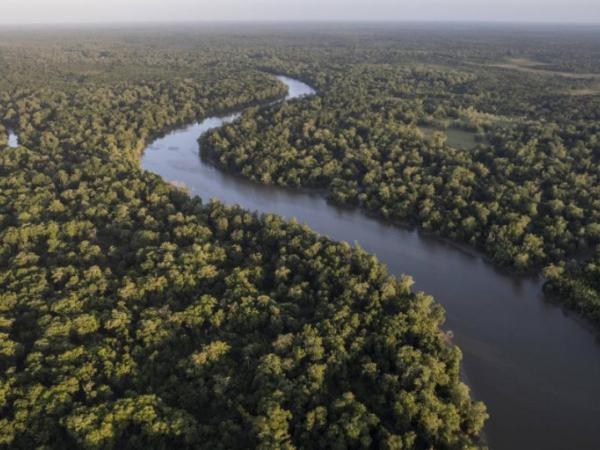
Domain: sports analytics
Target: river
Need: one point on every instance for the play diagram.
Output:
(13, 140)
(536, 368)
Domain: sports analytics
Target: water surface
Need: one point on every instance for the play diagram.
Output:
(13, 140)
(537, 370)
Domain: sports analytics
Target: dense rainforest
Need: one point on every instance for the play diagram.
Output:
(135, 316)
(496, 144)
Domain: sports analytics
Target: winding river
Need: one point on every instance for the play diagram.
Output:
(536, 368)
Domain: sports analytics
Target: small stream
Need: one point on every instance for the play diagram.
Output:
(536, 368)
(13, 140)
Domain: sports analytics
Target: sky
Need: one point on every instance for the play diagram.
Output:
(77, 11)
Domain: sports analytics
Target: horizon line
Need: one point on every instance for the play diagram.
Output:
(301, 21)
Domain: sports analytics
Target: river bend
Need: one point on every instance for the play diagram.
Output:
(536, 368)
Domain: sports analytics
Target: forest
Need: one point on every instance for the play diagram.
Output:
(523, 189)
(133, 315)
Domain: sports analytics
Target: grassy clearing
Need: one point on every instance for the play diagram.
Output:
(530, 66)
(461, 139)
(583, 91)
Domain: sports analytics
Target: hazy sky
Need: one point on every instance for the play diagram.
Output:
(62, 11)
